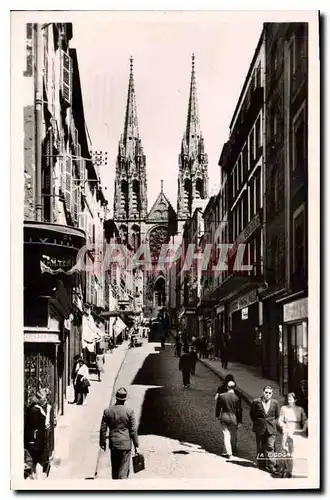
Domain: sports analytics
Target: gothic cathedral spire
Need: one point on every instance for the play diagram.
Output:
(130, 199)
(193, 161)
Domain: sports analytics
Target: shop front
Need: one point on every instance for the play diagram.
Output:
(219, 328)
(50, 252)
(293, 349)
(245, 329)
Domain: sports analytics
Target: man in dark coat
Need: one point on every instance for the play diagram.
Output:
(193, 356)
(122, 426)
(264, 414)
(229, 412)
(185, 368)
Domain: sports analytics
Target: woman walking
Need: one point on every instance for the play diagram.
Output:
(82, 382)
(294, 425)
(100, 360)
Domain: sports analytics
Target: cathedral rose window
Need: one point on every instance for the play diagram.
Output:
(158, 237)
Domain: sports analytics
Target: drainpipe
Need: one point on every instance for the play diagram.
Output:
(51, 173)
(38, 121)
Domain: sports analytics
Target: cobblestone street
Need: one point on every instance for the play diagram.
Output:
(178, 432)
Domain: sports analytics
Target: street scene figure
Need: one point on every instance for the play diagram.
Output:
(82, 382)
(293, 423)
(100, 361)
(35, 433)
(120, 420)
(185, 368)
(229, 412)
(193, 359)
(75, 368)
(264, 414)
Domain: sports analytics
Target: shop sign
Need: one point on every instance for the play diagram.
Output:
(220, 309)
(52, 338)
(245, 313)
(295, 310)
(253, 225)
(244, 301)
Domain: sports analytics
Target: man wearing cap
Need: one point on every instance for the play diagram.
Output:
(122, 431)
(229, 412)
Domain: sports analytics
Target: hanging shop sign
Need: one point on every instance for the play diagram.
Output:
(295, 310)
(220, 309)
(245, 313)
(253, 225)
(244, 301)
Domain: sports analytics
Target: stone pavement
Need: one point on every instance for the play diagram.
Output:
(77, 432)
(249, 382)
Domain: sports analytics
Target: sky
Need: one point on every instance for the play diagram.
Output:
(161, 46)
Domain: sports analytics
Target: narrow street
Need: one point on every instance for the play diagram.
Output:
(178, 432)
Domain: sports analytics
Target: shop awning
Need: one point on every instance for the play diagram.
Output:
(90, 334)
(117, 325)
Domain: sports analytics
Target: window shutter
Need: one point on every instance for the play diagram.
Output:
(66, 77)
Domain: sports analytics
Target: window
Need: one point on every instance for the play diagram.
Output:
(299, 240)
(252, 195)
(66, 68)
(258, 191)
(245, 208)
(258, 76)
(245, 160)
(258, 134)
(251, 148)
(299, 160)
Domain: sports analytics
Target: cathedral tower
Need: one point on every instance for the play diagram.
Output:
(130, 197)
(193, 161)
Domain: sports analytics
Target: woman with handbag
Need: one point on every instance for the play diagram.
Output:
(82, 382)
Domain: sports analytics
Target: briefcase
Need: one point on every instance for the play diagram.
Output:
(138, 463)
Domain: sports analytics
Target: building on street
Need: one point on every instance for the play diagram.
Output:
(243, 160)
(286, 192)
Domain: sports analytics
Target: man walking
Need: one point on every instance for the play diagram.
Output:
(122, 426)
(185, 368)
(229, 412)
(264, 414)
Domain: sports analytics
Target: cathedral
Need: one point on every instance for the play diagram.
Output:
(161, 224)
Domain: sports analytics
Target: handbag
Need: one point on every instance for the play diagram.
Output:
(138, 463)
(86, 382)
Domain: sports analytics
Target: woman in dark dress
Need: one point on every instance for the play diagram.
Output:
(35, 434)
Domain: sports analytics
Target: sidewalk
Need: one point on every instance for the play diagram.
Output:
(249, 382)
(77, 432)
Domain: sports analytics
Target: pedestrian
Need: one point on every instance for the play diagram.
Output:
(229, 412)
(100, 361)
(264, 414)
(185, 368)
(111, 346)
(293, 423)
(120, 421)
(82, 382)
(75, 368)
(224, 387)
(225, 353)
(35, 434)
(162, 342)
(177, 348)
(193, 359)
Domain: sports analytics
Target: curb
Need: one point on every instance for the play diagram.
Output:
(111, 397)
(244, 395)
